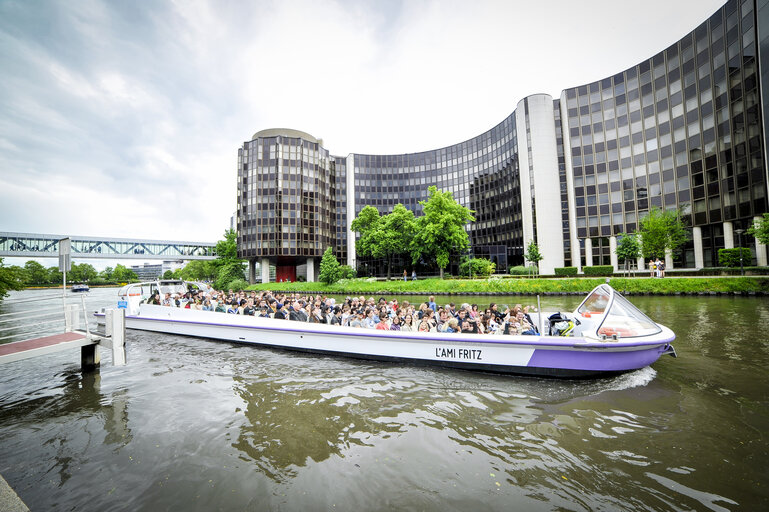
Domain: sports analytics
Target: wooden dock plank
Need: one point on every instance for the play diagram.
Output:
(39, 346)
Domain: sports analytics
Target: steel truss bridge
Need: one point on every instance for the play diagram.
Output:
(41, 246)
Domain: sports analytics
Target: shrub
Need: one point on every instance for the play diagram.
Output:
(599, 270)
(520, 270)
(329, 267)
(566, 271)
(731, 257)
(301, 279)
(237, 285)
(476, 267)
(347, 272)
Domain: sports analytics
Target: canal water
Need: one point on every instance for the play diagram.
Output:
(190, 424)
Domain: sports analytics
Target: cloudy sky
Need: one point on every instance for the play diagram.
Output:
(123, 118)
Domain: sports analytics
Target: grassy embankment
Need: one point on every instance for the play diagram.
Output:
(667, 286)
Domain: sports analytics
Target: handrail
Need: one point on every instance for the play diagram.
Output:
(27, 334)
(58, 311)
(34, 315)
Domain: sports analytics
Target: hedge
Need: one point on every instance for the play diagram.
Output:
(599, 270)
(731, 257)
(566, 271)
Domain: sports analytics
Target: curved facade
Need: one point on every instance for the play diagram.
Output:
(681, 129)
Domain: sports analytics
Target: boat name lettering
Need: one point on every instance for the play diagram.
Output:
(458, 353)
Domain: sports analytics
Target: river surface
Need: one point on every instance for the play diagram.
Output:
(190, 424)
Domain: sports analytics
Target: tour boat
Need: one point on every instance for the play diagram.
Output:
(607, 335)
(80, 288)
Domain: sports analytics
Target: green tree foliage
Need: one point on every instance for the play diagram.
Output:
(533, 255)
(107, 273)
(227, 249)
(11, 278)
(199, 270)
(168, 274)
(628, 249)
(329, 267)
(54, 275)
(476, 267)
(35, 273)
(231, 271)
(366, 224)
(384, 236)
(661, 231)
(760, 229)
(82, 273)
(124, 275)
(441, 230)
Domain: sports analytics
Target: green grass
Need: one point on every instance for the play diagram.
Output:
(528, 286)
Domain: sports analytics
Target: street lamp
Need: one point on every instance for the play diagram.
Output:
(739, 235)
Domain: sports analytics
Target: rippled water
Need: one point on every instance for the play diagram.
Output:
(190, 424)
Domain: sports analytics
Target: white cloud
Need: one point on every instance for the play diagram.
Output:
(136, 110)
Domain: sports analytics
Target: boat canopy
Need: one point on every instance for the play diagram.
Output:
(611, 314)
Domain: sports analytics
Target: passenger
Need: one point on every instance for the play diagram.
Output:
(431, 304)
(207, 305)
(396, 324)
(336, 317)
(408, 323)
(370, 322)
(279, 313)
(167, 300)
(382, 324)
(474, 313)
(357, 320)
(451, 326)
(264, 312)
(424, 327)
(467, 328)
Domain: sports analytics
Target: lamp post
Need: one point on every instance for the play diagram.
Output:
(739, 235)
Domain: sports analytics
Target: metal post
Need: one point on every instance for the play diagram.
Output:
(117, 326)
(539, 315)
(739, 235)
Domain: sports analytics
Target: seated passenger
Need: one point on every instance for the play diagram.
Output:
(382, 324)
(396, 325)
(452, 325)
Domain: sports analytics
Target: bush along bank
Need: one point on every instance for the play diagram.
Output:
(496, 286)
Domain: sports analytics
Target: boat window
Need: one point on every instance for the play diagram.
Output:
(624, 319)
(596, 302)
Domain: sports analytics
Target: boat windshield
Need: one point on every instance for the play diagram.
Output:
(626, 320)
(596, 302)
(172, 287)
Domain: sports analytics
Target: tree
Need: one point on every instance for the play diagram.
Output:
(55, 275)
(229, 272)
(106, 274)
(82, 272)
(662, 231)
(760, 229)
(227, 249)
(366, 224)
(199, 270)
(386, 236)
(441, 230)
(533, 255)
(628, 249)
(168, 274)
(329, 267)
(10, 279)
(124, 275)
(35, 273)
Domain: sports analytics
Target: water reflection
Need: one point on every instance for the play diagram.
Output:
(203, 425)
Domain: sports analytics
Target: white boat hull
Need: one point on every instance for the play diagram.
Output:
(530, 355)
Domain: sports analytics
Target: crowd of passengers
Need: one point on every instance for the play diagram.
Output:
(358, 311)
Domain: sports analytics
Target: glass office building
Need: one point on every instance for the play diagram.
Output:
(683, 129)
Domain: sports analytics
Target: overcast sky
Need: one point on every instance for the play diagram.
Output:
(123, 118)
